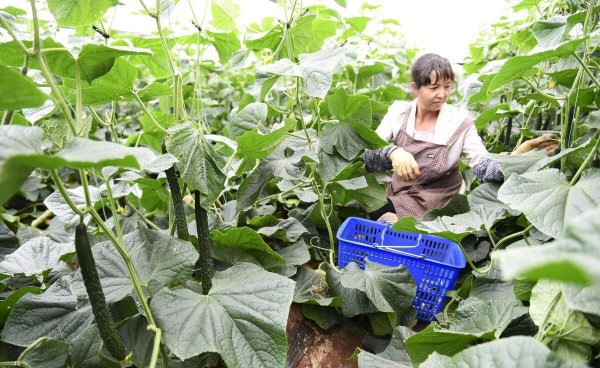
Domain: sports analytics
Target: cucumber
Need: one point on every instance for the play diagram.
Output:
(177, 200)
(205, 260)
(104, 321)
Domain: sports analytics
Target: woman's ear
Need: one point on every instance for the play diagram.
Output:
(413, 88)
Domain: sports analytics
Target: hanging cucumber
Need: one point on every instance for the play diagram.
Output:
(180, 221)
(104, 321)
(205, 261)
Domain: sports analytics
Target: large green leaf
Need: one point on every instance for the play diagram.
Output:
(289, 229)
(86, 347)
(517, 164)
(517, 66)
(6, 305)
(18, 91)
(242, 318)
(58, 58)
(409, 224)
(95, 61)
(432, 339)
(496, 112)
(224, 14)
(347, 140)
(394, 355)
(547, 199)
(57, 204)
(264, 40)
(485, 319)
(226, 44)
(391, 289)
(159, 260)
(115, 85)
(256, 145)
(316, 69)
(242, 244)
(548, 32)
(485, 210)
(285, 162)
(557, 322)
(354, 301)
(77, 13)
(200, 166)
(21, 152)
(56, 313)
(138, 340)
(247, 119)
(354, 183)
(353, 109)
(312, 288)
(516, 351)
(47, 353)
(583, 299)
(302, 36)
(36, 257)
(573, 258)
(82, 153)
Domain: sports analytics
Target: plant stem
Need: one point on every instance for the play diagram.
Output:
(144, 218)
(39, 56)
(115, 213)
(40, 220)
(511, 236)
(587, 159)
(491, 237)
(156, 348)
(587, 70)
(153, 15)
(12, 34)
(78, 99)
(148, 114)
(325, 217)
(12, 364)
(473, 267)
(63, 192)
(178, 102)
(495, 246)
(205, 261)
(266, 198)
(300, 116)
(540, 91)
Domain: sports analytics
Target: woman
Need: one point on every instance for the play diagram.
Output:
(429, 138)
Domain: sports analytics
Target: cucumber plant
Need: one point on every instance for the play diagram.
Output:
(247, 146)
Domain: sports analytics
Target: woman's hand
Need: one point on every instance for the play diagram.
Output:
(404, 165)
(547, 142)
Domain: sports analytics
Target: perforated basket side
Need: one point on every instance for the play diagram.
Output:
(435, 280)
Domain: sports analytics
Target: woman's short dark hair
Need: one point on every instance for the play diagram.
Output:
(428, 63)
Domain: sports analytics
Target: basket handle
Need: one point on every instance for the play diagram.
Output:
(389, 226)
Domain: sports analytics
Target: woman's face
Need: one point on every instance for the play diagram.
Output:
(433, 96)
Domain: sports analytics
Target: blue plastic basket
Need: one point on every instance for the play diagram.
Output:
(432, 261)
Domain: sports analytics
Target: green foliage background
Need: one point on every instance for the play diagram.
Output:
(267, 137)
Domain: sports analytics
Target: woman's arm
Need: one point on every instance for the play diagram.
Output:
(379, 160)
(486, 169)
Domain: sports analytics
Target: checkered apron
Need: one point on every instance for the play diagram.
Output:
(436, 185)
